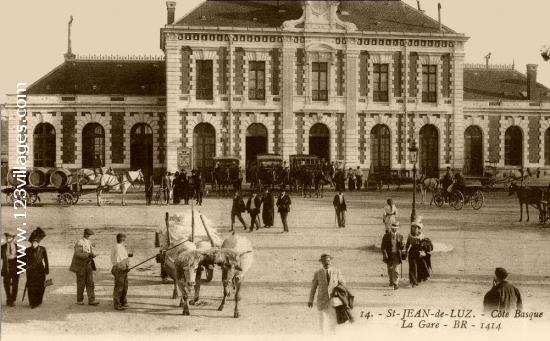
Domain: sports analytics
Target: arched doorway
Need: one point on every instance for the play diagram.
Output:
(204, 147)
(429, 151)
(256, 141)
(380, 148)
(93, 143)
(141, 148)
(473, 151)
(44, 145)
(513, 146)
(319, 141)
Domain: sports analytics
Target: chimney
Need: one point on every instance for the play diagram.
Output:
(531, 81)
(439, 14)
(170, 12)
(418, 5)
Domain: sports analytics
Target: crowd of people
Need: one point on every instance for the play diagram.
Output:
(260, 203)
(175, 188)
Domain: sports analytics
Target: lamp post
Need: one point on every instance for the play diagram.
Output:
(413, 155)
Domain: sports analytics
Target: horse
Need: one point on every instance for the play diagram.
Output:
(234, 265)
(221, 178)
(427, 184)
(528, 196)
(88, 176)
(110, 181)
(320, 181)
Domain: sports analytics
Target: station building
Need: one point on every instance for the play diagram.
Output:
(350, 81)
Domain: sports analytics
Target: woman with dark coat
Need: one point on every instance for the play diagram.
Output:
(351, 180)
(36, 259)
(177, 188)
(419, 249)
(268, 209)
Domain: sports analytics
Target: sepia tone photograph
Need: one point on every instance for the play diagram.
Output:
(265, 169)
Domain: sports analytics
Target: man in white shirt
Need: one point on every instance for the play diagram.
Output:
(121, 263)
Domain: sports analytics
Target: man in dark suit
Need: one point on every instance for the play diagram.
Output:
(197, 187)
(253, 208)
(237, 208)
(9, 269)
(503, 296)
(283, 206)
(340, 208)
(392, 248)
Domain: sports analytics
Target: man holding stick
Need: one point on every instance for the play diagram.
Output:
(121, 263)
(392, 248)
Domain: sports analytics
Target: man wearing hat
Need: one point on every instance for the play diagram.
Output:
(392, 248)
(83, 265)
(340, 207)
(503, 296)
(121, 264)
(325, 280)
(9, 269)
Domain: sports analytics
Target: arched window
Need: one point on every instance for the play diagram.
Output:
(380, 148)
(93, 146)
(429, 151)
(141, 148)
(204, 147)
(473, 151)
(513, 147)
(547, 146)
(256, 141)
(319, 141)
(44, 145)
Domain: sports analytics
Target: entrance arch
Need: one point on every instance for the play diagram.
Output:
(141, 148)
(93, 143)
(429, 151)
(256, 141)
(473, 151)
(319, 141)
(44, 145)
(513, 146)
(204, 147)
(380, 151)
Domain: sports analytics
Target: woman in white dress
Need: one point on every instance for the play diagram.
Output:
(390, 214)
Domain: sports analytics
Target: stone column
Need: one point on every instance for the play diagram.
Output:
(173, 70)
(351, 134)
(457, 142)
(289, 130)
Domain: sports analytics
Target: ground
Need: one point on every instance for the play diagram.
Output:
(276, 289)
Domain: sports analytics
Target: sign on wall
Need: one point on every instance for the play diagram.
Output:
(185, 158)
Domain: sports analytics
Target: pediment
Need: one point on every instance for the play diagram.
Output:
(319, 16)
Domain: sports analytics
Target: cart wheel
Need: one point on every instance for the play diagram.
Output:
(66, 199)
(33, 198)
(439, 200)
(456, 200)
(10, 198)
(477, 200)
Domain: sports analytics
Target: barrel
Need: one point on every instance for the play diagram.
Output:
(59, 177)
(11, 178)
(38, 177)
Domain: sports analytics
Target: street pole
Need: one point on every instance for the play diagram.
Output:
(413, 212)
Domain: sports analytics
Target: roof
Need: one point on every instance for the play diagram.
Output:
(104, 77)
(497, 83)
(367, 15)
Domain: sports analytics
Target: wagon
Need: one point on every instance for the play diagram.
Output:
(471, 194)
(66, 196)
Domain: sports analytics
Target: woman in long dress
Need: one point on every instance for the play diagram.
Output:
(36, 259)
(418, 248)
(268, 209)
(390, 214)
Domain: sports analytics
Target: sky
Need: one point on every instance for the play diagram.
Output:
(33, 33)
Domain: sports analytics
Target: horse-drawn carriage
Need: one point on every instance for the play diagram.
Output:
(306, 173)
(226, 173)
(266, 172)
(459, 195)
(69, 185)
